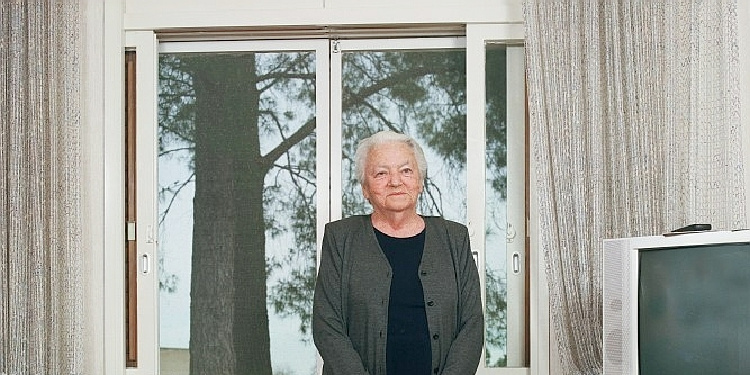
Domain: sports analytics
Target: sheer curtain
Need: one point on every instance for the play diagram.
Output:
(634, 109)
(41, 295)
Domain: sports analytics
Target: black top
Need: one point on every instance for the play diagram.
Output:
(408, 350)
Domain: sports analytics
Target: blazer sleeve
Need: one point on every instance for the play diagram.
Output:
(329, 320)
(466, 348)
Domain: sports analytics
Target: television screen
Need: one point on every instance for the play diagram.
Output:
(694, 310)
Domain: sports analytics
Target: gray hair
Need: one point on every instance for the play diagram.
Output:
(384, 137)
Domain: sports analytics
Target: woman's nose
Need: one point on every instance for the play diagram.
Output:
(395, 179)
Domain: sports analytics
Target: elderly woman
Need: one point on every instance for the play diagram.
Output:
(397, 293)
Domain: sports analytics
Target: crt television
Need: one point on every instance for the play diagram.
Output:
(677, 304)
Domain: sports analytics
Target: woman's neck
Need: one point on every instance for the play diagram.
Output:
(398, 224)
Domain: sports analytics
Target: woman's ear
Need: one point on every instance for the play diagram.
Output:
(365, 191)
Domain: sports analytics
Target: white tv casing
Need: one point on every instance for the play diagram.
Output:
(620, 290)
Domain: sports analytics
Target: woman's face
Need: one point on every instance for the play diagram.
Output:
(392, 182)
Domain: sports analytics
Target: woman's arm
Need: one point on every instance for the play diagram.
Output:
(329, 322)
(466, 349)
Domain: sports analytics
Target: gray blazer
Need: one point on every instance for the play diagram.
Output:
(350, 309)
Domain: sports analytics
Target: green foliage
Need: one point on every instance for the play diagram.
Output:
(495, 318)
(421, 93)
(496, 118)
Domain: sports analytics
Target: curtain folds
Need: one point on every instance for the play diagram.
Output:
(634, 109)
(41, 282)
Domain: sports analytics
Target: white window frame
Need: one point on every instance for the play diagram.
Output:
(148, 47)
(478, 36)
(147, 50)
(145, 45)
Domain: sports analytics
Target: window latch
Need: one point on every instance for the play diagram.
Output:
(130, 231)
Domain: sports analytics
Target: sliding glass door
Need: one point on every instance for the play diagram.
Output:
(252, 154)
(238, 207)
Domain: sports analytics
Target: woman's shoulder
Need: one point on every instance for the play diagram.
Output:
(348, 223)
(450, 225)
(357, 228)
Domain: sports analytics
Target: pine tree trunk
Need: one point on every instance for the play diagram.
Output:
(229, 331)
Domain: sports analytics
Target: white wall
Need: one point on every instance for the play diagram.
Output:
(195, 17)
(103, 186)
(92, 200)
(108, 19)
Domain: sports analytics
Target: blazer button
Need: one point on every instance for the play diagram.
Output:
(435, 336)
(430, 303)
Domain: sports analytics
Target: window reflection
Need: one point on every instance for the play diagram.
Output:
(421, 93)
(496, 206)
(237, 203)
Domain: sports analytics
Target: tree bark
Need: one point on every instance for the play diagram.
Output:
(229, 331)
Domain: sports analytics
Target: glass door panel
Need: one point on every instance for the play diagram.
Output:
(505, 233)
(417, 90)
(243, 184)
(496, 197)
(238, 191)
(509, 58)
(497, 200)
